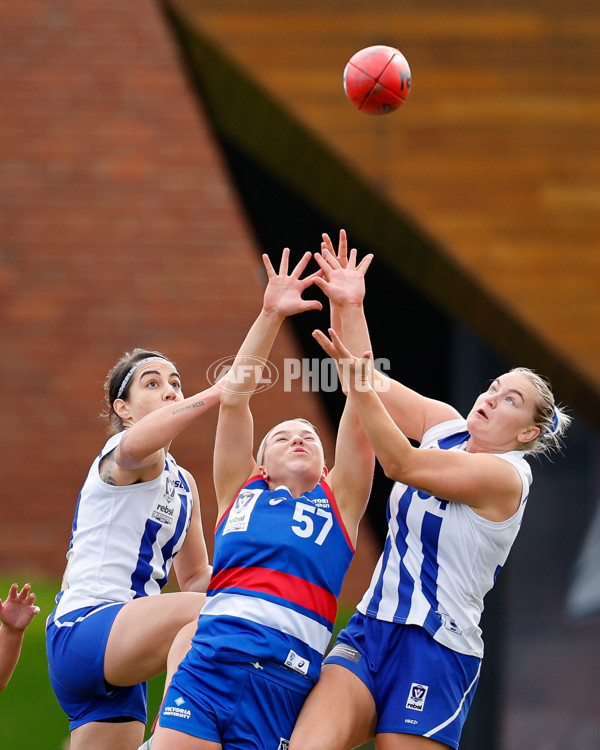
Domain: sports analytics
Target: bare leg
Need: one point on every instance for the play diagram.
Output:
(181, 645)
(142, 634)
(393, 741)
(339, 713)
(170, 739)
(100, 735)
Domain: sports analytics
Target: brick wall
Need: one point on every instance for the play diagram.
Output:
(118, 228)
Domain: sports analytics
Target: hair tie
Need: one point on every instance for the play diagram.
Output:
(555, 424)
(129, 375)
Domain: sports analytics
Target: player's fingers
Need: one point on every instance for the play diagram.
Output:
(324, 343)
(301, 265)
(330, 258)
(268, 265)
(24, 593)
(343, 246)
(311, 304)
(365, 263)
(284, 262)
(327, 242)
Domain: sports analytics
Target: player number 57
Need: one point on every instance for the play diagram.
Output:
(304, 514)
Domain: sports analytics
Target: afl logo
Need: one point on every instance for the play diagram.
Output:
(254, 369)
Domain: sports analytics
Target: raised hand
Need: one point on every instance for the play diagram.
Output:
(342, 280)
(18, 609)
(356, 373)
(284, 290)
(342, 251)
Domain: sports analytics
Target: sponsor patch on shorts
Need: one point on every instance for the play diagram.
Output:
(177, 711)
(283, 744)
(417, 696)
(346, 652)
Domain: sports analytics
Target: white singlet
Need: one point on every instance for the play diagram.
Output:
(441, 558)
(124, 539)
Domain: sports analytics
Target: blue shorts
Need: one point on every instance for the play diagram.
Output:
(253, 706)
(418, 685)
(75, 646)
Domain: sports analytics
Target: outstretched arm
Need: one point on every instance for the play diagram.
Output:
(411, 411)
(485, 482)
(191, 564)
(343, 282)
(142, 444)
(233, 459)
(16, 612)
(351, 476)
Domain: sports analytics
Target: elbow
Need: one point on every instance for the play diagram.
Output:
(398, 462)
(391, 472)
(123, 451)
(198, 583)
(404, 475)
(394, 470)
(131, 452)
(125, 457)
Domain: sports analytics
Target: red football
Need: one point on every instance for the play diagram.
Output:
(377, 79)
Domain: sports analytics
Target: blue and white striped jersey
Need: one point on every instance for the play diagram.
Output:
(440, 558)
(124, 539)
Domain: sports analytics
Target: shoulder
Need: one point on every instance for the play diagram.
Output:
(111, 443)
(254, 487)
(518, 460)
(323, 489)
(107, 454)
(254, 482)
(188, 477)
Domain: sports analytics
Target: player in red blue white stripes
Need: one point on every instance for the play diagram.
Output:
(284, 539)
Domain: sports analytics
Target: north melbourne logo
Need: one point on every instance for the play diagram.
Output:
(169, 490)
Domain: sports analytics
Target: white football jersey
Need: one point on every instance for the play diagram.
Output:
(440, 558)
(124, 539)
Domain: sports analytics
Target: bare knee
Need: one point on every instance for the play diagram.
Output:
(339, 713)
(142, 635)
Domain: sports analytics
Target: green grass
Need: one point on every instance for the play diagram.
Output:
(30, 716)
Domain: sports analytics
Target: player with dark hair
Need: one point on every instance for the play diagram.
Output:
(137, 515)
